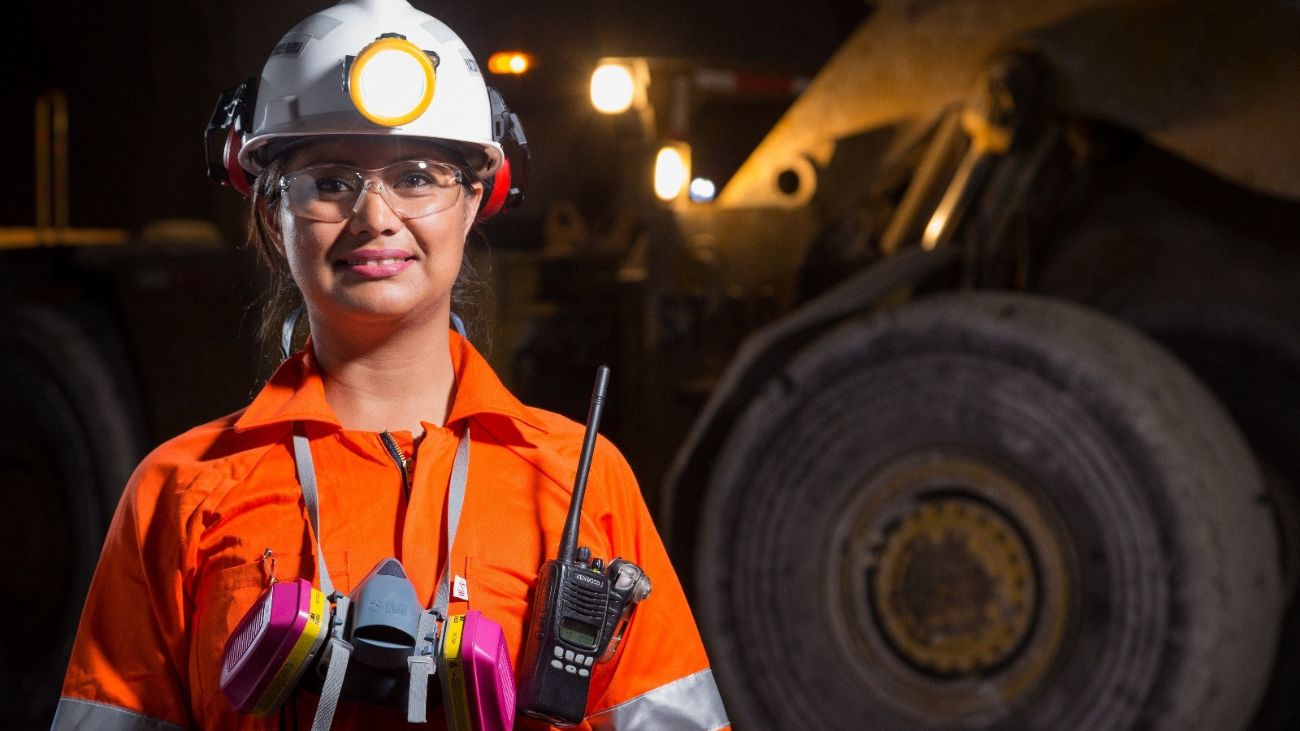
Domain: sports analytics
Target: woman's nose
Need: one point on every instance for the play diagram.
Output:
(371, 213)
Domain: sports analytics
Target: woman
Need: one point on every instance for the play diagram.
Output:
(366, 202)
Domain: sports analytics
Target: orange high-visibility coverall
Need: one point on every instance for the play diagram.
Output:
(183, 559)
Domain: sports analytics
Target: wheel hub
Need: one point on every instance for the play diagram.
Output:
(955, 592)
(950, 586)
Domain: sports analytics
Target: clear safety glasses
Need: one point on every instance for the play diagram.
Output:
(331, 192)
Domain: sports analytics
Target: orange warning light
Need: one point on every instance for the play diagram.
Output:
(510, 63)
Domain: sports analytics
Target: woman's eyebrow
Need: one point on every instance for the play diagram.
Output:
(333, 161)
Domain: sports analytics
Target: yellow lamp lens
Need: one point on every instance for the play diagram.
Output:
(391, 82)
(613, 88)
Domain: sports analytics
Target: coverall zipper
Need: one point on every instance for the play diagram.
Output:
(390, 444)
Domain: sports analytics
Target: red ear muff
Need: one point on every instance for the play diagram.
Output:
(505, 190)
(236, 176)
(495, 192)
(224, 136)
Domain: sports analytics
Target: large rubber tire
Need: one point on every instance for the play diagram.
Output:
(987, 511)
(67, 446)
(1251, 362)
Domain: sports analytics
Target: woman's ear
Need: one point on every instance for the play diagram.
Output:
(270, 216)
(277, 240)
(472, 202)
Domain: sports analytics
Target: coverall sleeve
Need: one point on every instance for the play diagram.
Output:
(128, 663)
(662, 678)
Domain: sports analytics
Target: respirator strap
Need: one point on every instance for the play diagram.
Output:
(339, 651)
(455, 499)
(310, 497)
(422, 665)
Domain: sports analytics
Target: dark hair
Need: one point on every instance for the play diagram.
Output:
(470, 294)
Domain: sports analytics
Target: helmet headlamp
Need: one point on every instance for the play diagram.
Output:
(391, 81)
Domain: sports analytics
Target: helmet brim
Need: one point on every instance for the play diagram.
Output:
(484, 158)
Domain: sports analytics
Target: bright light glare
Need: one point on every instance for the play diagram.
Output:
(702, 190)
(392, 84)
(934, 229)
(510, 63)
(671, 172)
(612, 88)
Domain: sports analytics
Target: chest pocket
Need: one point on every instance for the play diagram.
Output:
(223, 598)
(504, 595)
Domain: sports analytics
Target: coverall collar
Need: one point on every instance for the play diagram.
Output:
(296, 392)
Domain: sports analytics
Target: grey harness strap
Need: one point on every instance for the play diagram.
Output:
(310, 497)
(422, 664)
(286, 332)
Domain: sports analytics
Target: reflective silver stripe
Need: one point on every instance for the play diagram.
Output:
(689, 704)
(75, 713)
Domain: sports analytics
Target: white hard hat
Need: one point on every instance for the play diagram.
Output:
(372, 67)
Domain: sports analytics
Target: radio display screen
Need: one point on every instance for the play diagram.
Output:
(579, 633)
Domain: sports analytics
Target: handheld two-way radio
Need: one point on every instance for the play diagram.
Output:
(580, 608)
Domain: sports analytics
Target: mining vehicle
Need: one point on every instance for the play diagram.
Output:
(972, 400)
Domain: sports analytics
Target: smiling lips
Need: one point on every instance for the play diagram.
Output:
(376, 263)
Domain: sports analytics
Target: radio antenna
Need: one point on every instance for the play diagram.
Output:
(569, 539)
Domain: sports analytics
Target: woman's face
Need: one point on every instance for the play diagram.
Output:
(374, 266)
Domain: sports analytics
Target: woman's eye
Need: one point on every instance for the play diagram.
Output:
(415, 180)
(417, 176)
(333, 186)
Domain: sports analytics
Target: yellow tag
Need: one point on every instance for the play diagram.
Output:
(453, 677)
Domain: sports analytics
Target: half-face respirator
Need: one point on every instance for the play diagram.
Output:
(394, 645)
(377, 645)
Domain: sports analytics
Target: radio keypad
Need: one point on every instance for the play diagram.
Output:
(577, 663)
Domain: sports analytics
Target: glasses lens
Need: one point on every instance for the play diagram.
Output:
(411, 188)
(323, 192)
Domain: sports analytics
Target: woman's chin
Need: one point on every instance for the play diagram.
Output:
(379, 310)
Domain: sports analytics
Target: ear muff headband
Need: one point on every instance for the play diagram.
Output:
(505, 190)
(224, 136)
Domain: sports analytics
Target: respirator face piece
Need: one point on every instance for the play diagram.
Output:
(281, 645)
(385, 617)
(279, 642)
